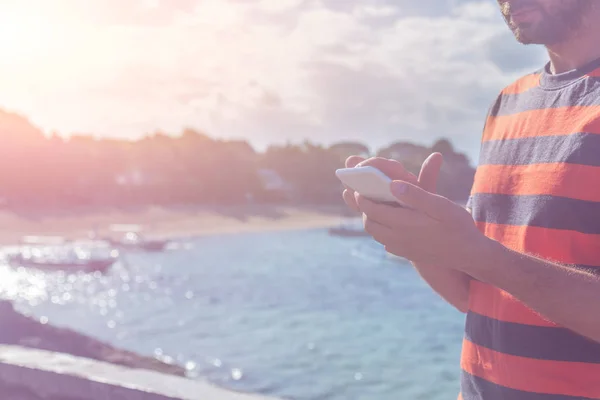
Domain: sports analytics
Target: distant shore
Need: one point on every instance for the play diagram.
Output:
(169, 222)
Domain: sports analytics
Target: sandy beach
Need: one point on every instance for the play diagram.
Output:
(161, 222)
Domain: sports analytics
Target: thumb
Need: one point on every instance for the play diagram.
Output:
(436, 206)
(430, 172)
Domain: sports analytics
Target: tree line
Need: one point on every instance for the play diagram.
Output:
(191, 168)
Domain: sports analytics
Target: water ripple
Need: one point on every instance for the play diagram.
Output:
(298, 315)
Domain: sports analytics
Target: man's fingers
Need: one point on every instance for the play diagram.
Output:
(352, 161)
(392, 168)
(350, 199)
(379, 232)
(430, 172)
(435, 206)
(348, 194)
(392, 217)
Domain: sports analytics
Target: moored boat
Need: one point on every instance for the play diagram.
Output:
(353, 228)
(59, 254)
(130, 237)
(89, 265)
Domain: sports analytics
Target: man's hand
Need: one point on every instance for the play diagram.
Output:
(436, 231)
(452, 285)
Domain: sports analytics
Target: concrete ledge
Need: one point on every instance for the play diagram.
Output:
(49, 375)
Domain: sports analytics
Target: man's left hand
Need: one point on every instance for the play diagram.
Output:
(434, 231)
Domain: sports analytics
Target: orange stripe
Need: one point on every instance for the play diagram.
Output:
(495, 303)
(558, 179)
(460, 396)
(595, 73)
(563, 246)
(532, 375)
(544, 122)
(523, 84)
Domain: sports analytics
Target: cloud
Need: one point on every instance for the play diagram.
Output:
(268, 70)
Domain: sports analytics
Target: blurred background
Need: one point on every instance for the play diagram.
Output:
(167, 188)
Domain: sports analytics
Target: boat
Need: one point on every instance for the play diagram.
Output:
(349, 229)
(43, 240)
(131, 238)
(347, 232)
(62, 258)
(92, 265)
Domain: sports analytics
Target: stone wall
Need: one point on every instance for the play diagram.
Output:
(33, 374)
(18, 329)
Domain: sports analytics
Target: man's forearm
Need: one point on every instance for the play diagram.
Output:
(568, 296)
(451, 285)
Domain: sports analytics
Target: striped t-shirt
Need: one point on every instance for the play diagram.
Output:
(537, 191)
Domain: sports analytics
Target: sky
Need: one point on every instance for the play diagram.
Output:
(268, 71)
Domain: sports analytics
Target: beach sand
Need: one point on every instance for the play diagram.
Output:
(172, 222)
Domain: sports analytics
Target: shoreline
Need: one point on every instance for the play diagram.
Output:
(29, 332)
(65, 361)
(170, 222)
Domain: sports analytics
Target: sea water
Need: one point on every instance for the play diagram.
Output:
(298, 314)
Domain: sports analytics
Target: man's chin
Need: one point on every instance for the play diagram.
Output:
(522, 39)
(540, 35)
(526, 36)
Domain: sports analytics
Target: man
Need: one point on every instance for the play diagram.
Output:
(527, 272)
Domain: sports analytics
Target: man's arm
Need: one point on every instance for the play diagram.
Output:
(439, 232)
(563, 294)
(451, 285)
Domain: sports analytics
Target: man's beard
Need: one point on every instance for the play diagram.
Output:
(553, 28)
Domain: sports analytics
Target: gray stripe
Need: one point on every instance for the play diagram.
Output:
(574, 148)
(539, 342)
(542, 211)
(475, 388)
(583, 94)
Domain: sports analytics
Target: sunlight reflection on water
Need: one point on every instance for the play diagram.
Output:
(300, 315)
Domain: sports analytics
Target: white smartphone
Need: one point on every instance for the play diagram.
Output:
(369, 182)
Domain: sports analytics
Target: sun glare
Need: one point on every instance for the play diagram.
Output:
(24, 37)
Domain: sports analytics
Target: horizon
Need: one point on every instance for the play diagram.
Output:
(29, 126)
(279, 70)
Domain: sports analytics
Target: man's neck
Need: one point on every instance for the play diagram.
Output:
(576, 52)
